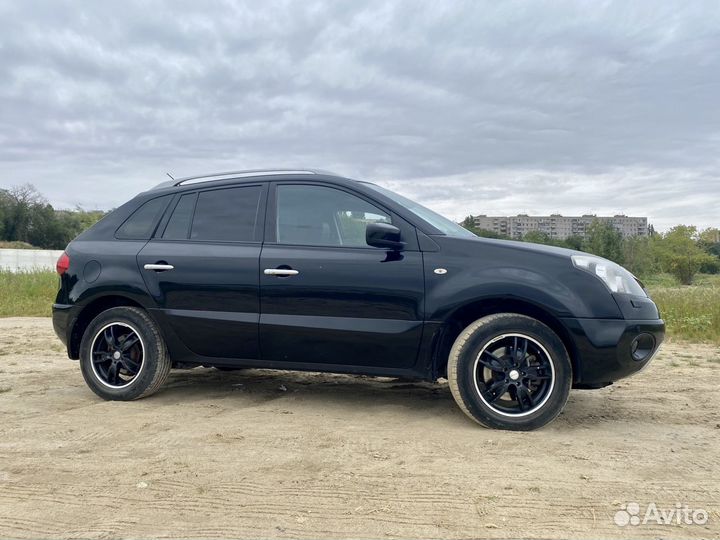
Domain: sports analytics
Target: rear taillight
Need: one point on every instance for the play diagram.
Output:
(63, 263)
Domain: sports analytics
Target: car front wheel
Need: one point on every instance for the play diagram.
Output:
(509, 371)
(122, 355)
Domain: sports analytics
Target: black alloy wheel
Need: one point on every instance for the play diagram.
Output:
(117, 354)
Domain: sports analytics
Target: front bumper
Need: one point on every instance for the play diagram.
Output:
(604, 348)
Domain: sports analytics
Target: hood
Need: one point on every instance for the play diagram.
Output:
(522, 246)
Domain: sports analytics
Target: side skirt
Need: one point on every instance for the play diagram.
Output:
(308, 366)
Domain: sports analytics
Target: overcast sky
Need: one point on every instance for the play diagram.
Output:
(468, 107)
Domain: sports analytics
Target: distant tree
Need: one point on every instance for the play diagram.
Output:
(573, 242)
(538, 237)
(18, 204)
(25, 216)
(710, 266)
(468, 222)
(85, 218)
(45, 229)
(639, 256)
(680, 254)
(709, 240)
(486, 233)
(604, 240)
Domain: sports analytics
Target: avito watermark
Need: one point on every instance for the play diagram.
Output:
(681, 514)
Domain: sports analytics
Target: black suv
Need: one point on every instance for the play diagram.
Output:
(306, 270)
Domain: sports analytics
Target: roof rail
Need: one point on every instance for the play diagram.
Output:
(246, 173)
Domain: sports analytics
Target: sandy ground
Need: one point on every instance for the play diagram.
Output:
(284, 454)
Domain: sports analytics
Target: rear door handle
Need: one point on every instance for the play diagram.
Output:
(280, 272)
(159, 267)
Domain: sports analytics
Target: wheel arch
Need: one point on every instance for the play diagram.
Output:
(91, 310)
(462, 316)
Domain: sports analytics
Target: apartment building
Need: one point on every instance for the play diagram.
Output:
(559, 227)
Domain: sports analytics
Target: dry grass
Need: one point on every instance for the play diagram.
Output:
(16, 245)
(27, 294)
(691, 312)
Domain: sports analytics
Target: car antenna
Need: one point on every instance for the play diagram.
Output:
(170, 175)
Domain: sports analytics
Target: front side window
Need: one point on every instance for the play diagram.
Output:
(226, 215)
(323, 216)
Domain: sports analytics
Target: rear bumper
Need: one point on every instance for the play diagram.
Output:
(607, 350)
(63, 317)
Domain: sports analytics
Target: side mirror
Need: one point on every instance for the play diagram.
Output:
(383, 235)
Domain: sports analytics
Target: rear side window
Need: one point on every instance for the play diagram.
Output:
(178, 227)
(141, 224)
(226, 215)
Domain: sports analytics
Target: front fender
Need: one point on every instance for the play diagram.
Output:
(548, 281)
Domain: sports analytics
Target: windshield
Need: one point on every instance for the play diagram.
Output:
(442, 223)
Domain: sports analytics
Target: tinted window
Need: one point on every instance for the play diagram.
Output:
(226, 214)
(178, 226)
(322, 216)
(140, 225)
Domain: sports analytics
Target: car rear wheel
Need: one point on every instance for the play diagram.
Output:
(122, 355)
(509, 371)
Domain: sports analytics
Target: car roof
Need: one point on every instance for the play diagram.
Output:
(251, 175)
(191, 183)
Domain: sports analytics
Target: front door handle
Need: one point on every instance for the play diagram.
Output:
(280, 272)
(158, 267)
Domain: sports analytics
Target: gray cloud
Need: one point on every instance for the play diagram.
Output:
(469, 107)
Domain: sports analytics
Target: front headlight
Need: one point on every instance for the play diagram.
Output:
(615, 277)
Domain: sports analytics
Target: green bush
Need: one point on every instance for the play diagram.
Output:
(680, 254)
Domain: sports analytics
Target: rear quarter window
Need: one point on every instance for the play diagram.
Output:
(178, 227)
(141, 223)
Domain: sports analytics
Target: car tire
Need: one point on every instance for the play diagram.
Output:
(509, 371)
(123, 356)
